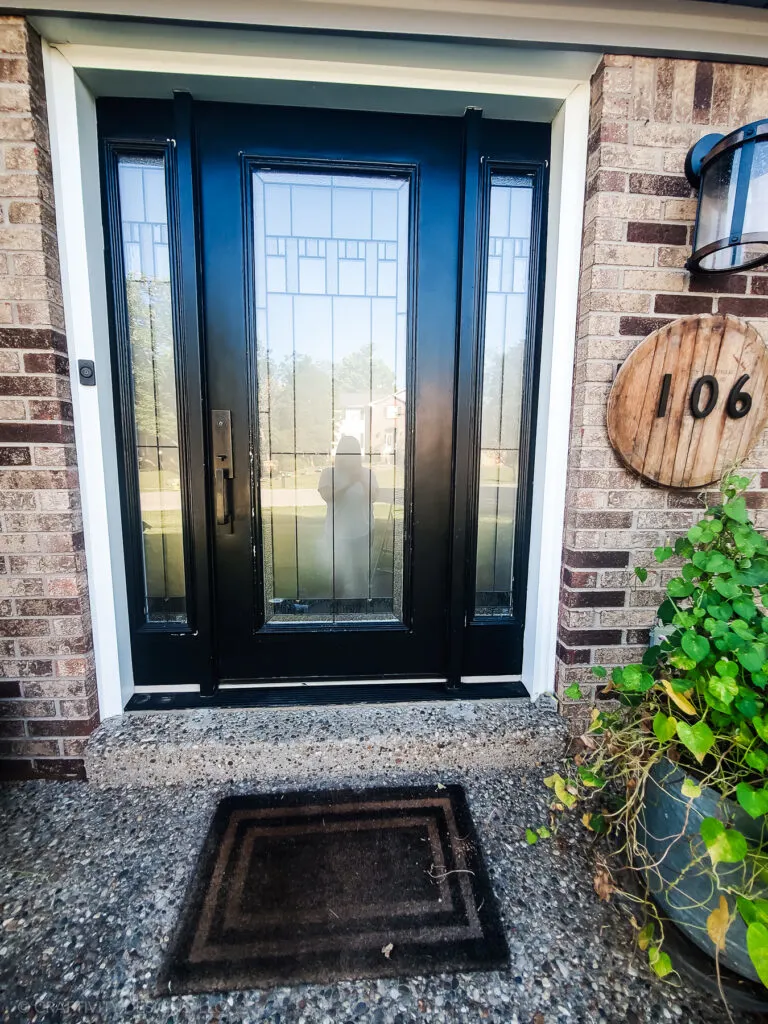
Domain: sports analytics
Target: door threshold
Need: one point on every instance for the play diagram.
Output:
(291, 695)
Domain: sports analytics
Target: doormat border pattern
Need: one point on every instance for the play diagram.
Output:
(460, 931)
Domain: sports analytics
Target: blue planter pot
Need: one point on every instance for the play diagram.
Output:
(684, 890)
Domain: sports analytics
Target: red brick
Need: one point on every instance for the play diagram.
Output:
(742, 307)
(14, 456)
(32, 337)
(596, 559)
(657, 234)
(579, 579)
(719, 284)
(589, 637)
(682, 305)
(62, 727)
(660, 185)
(569, 656)
(702, 93)
(594, 598)
(641, 325)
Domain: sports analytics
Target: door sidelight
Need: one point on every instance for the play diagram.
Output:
(221, 444)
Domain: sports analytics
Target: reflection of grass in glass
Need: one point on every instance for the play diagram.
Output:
(314, 550)
(163, 553)
(385, 476)
(159, 480)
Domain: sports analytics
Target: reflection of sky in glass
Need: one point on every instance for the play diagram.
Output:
(331, 273)
(505, 337)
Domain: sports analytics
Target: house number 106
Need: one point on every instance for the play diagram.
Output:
(739, 402)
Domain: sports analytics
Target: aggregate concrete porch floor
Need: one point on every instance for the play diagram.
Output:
(91, 880)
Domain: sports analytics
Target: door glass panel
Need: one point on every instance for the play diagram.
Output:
(332, 307)
(506, 330)
(146, 264)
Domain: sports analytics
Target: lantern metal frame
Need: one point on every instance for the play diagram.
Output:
(699, 157)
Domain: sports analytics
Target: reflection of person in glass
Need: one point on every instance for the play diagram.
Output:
(349, 490)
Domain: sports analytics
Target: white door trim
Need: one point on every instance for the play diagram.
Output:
(75, 159)
(679, 27)
(72, 128)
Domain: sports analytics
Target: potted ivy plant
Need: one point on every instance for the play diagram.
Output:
(675, 767)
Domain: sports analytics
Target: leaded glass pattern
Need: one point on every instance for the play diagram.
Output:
(146, 265)
(505, 340)
(331, 284)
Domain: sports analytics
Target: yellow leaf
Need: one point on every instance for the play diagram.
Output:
(563, 793)
(646, 936)
(681, 699)
(585, 820)
(718, 924)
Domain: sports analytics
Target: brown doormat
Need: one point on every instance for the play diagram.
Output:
(322, 886)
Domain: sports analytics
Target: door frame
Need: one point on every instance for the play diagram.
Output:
(75, 160)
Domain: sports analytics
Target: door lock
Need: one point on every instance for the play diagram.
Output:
(223, 468)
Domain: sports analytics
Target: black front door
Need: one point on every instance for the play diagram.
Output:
(325, 335)
(330, 270)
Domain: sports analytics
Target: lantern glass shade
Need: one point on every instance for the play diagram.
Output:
(731, 230)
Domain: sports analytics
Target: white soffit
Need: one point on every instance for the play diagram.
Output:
(680, 27)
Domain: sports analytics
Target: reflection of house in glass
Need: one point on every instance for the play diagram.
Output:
(376, 425)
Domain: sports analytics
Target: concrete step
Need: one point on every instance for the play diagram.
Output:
(302, 744)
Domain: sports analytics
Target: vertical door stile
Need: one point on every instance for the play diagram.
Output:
(465, 392)
(192, 402)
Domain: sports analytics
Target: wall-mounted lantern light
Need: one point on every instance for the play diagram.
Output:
(731, 174)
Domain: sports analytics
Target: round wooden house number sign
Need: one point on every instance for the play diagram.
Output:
(691, 400)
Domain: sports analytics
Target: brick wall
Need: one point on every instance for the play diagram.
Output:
(48, 700)
(646, 113)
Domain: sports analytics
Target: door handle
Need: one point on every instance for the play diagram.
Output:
(223, 513)
(221, 438)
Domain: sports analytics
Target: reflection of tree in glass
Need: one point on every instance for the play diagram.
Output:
(152, 362)
(308, 394)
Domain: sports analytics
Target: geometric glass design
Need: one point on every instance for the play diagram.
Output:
(505, 341)
(332, 294)
(146, 265)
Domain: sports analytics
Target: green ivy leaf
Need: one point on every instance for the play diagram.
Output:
(723, 688)
(745, 607)
(755, 576)
(683, 547)
(727, 588)
(544, 832)
(723, 612)
(690, 789)
(747, 909)
(635, 680)
(724, 667)
(716, 562)
(590, 778)
(753, 657)
(573, 692)
(753, 909)
(641, 573)
(599, 671)
(757, 947)
(678, 587)
(761, 728)
(757, 759)
(664, 727)
(694, 645)
(725, 846)
(698, 738)
(736, 509)
(748, 705)
(663, 553)
(695, 534)
(660, 962)
(531, 837)
(754, 801)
